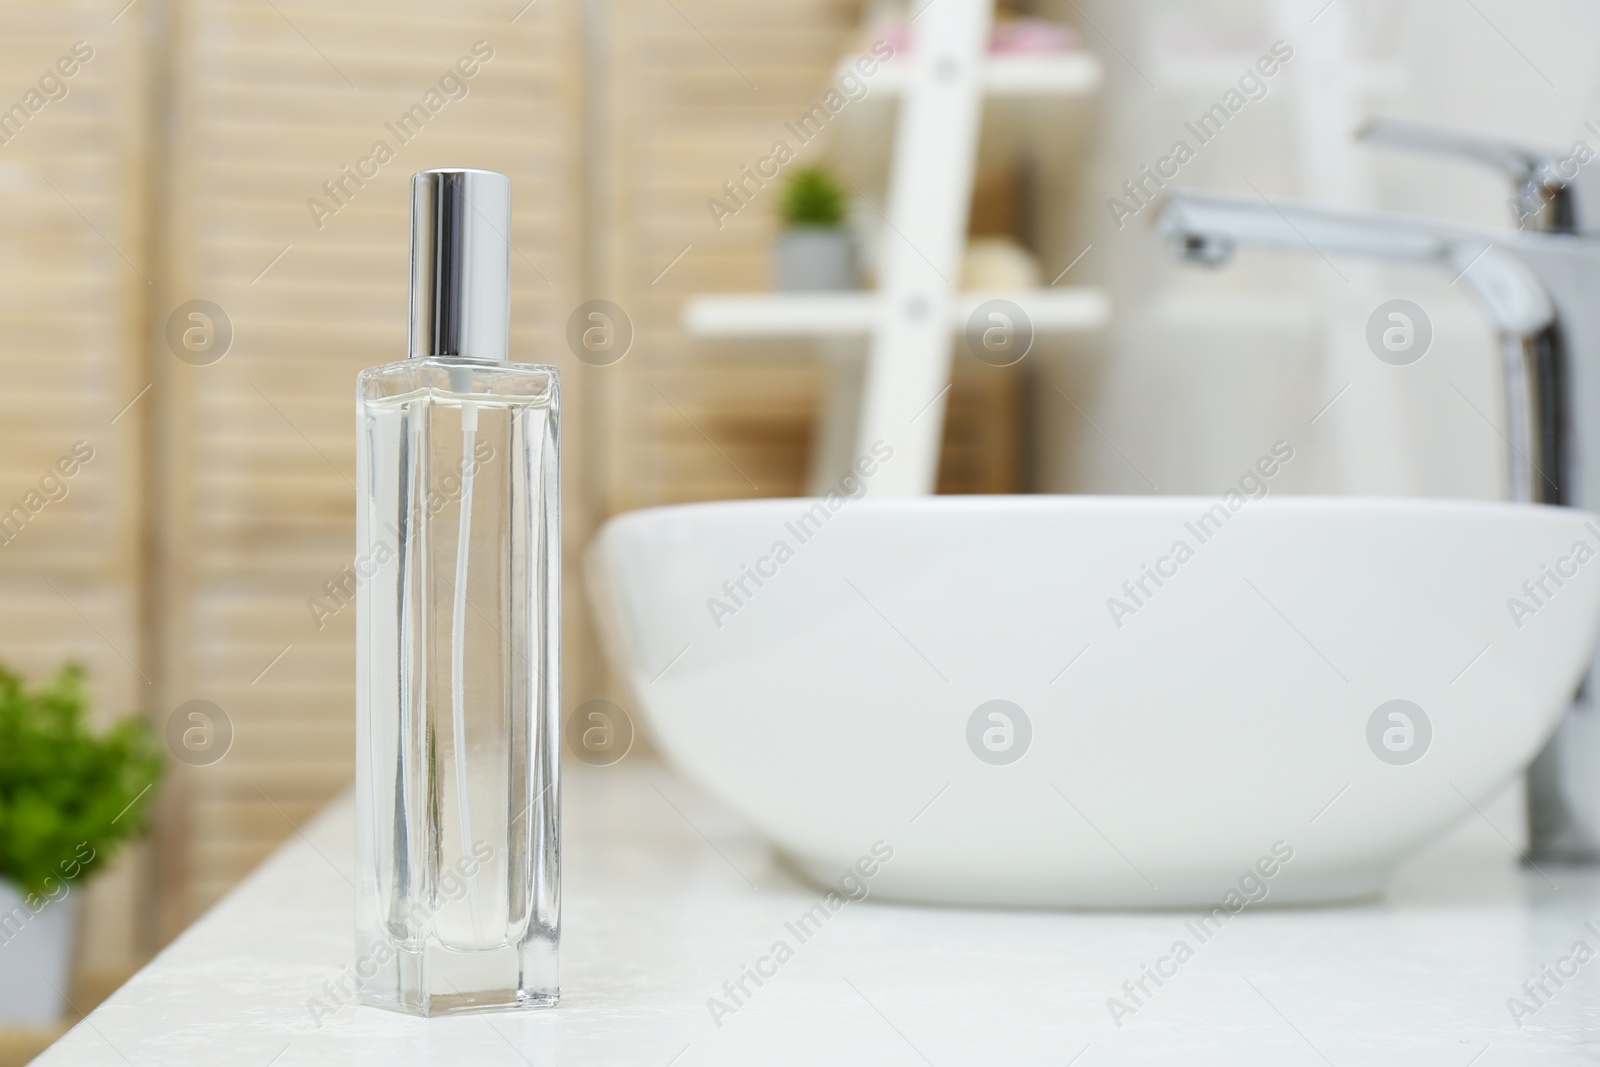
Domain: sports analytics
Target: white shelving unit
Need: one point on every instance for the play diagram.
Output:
(929, 119)
(1065, 75)
(853, 315)
(1028, 102)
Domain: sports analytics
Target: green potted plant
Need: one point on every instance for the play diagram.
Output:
(69, 798)
(815, 250)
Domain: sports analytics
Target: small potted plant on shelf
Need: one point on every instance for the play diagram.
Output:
(68, 799)
(815, 250)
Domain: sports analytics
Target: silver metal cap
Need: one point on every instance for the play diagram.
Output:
(460, 264)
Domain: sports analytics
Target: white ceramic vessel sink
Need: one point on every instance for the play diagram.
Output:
(1234, 710)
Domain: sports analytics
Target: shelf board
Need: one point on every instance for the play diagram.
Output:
(1035, 105)
(853, 314)
(1068, 74)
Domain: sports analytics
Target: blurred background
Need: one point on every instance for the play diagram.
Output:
(204, 151)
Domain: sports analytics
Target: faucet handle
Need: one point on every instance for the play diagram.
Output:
(1545, 190)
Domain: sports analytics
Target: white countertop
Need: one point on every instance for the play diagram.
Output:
(665, 900)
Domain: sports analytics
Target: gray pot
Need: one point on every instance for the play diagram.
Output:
(35, 956)
(815, 258)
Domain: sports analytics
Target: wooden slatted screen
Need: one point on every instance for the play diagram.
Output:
(73, 286)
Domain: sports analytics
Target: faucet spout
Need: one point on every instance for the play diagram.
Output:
(1534, 287)
(1509, 292)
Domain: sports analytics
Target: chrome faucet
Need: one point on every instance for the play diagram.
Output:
(1540, 286)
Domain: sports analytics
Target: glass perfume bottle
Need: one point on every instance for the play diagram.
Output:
(458, 892)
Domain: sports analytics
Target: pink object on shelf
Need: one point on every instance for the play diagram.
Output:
(1017, 37)
(896, 33)
(1029, 36)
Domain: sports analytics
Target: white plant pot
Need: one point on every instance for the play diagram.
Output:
(815, 259)
(35, 957)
